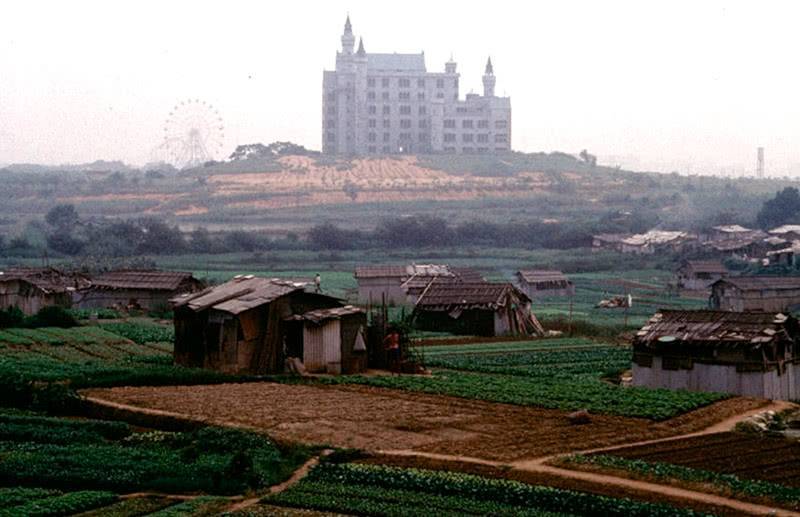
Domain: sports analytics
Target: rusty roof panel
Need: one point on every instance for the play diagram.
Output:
(706, 266)
(47, 279)
(380, 271)
(535, 276)
(141, 279)
(443, 294)
(238, 295)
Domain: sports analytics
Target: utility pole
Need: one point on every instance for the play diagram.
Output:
(760, 163)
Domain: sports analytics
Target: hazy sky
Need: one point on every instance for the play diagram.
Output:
(688, 85)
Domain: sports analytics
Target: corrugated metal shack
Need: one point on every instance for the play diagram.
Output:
(137, 289)
(609, 241)
(698, 275)
(401, 284)
(237, 326)
(537, 283)
(31, 289)
(480, 309)
(750, 354)
(756, 293)
(329, 340)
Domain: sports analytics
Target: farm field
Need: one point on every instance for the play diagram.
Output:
(384, 419)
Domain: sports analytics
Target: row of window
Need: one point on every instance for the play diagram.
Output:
(481, 137)
(404, 82)
(469, 124)
(404, 123)
(403, 96)
(404, 137)
(404, 110)
(470, 150)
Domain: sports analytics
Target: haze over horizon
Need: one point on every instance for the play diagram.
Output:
(686, 86)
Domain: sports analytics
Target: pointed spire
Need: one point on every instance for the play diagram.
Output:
(361, 51)
(489, 69)
(347, 26)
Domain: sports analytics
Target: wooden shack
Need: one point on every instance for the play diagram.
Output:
(698, 275)
(479, 309)
(137, 289)
(538, 283)
(31, 289)
(237, 327)
(756, 293)
(746, 353)
(402, 284)
(331, 340)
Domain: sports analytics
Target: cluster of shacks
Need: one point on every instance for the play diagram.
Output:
(253, 325)
(31, 289)
(750, 353)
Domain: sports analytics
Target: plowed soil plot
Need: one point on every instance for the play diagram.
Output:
(381, 419)
(751, 457)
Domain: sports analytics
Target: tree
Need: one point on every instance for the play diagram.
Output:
(62, 217)
(782, 209)
(588, 159)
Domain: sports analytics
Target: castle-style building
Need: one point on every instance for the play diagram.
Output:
(390, 104)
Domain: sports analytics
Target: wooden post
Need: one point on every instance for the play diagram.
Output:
(569, 326)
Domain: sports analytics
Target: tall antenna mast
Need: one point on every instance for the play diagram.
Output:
(760, 163)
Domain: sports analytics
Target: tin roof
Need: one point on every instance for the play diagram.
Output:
(731, 228)
(321, 315)
(445, 295)
(786, 228)
(238, 295)
(141, 279)
(706, 266)
(535, 276)
(670, 328)
(47, 279)
(654, 237)
(757, 283)
(380, 271)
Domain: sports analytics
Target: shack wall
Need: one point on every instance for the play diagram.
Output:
(313, 349)
(29, 299)
(373, 289)
(720, 378)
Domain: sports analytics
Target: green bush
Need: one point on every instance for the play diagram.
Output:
(52, 316)
(11, 317)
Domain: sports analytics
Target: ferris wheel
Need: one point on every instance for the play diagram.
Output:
(193, 134)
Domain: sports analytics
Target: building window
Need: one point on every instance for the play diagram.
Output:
(331, 110)
(373, 110)
(331, 136)
(466, 137)
(385, 82)
(330, 122)
(405, 123)
(371, 96)
(423, 124)
(455, 85)
(501, 138)
(385, 96)
(466, 124)
(423, 110)
(449, 123)
(483, 137)
(386, 110)
(467, 150)
(420, 96)
(449, 149)
(420, 83)
(386, 137)
(405, 110)
(370, 81)
(483, 149)
(440, 95)
(331, 96)
(483, 124)
(500, 124)
(449, 137)
(386, 123)
(386, 149)
(461, 109)
(371, 137)
(371, 149)
(404, 96)
(440, 83)
(423, 137)
(404, 83)
(373, 122)
(405, 137)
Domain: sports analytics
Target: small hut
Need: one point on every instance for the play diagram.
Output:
(137, 289)
(480, 309)
(331, 340)
(403, 284)
(698, 275)
(238, 326)
(756, 293)
(31, 289)
(745, 353)
(537, 283)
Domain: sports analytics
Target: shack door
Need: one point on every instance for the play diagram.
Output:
(332, 338)
(313, 348)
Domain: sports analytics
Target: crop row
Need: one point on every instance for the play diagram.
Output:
(36, 503)
(726, 482)
(509, 346)
(141, 332)
(555, 392)
(390, 491)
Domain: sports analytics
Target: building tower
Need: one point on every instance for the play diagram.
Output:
(760, 163)
(348, 40)
(450, 66)
(489, 80)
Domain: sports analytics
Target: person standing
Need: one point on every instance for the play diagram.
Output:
(391, 343)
